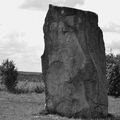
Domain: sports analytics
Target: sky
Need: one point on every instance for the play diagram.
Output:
(21, 28)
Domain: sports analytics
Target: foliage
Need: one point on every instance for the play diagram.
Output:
(9, 74)
(29, 87)
(113, 74)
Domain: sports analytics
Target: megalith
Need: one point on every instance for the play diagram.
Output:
(73, 63)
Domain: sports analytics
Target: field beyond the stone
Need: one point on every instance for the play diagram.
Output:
(28, 106)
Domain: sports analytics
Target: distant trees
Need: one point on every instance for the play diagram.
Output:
(9, 74)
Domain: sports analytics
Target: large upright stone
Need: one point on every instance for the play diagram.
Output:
(73, 63)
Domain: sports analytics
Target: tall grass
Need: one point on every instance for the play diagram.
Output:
(30, 87)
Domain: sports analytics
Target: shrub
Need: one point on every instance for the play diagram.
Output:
(39, 89)
(113, 74)
(29, 87)
(9, 74)
(114, 81)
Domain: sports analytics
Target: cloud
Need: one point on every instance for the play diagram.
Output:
(13, 43)
(43, 4)
(107, 10)
(112, 42)
(21, 35)
(26, 57)
(112, 28)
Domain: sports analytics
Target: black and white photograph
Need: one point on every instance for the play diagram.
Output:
(59, 60)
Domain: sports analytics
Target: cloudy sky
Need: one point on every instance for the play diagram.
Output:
(21, 24)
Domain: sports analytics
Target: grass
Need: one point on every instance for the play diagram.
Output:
(114, 106)
(29, 87)
(26, 87)
(20, 107)
(28, 106)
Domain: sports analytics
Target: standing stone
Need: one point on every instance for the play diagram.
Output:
(73, 63)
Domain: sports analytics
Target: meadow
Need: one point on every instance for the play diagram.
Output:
(28, 82)
(28, 106)
(29, 101)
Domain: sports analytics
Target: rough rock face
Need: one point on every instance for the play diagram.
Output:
(73, 63)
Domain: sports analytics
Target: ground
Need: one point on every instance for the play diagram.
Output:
(20, 107)
(114, 106)
(27, 107)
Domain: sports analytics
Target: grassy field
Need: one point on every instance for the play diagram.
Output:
(20, 107)
(26, 87)
(30, 100)
(28, 106)
(29, 76)
(114, 106)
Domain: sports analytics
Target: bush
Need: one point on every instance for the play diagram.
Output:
(9, 74)
(114, 81)
(113, 74)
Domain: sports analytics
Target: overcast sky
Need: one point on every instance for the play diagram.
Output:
(21, 25)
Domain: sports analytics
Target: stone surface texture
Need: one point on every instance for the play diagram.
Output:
(73, 63)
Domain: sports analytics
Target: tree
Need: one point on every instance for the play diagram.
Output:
(9, 74)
